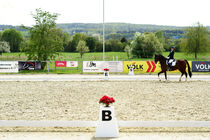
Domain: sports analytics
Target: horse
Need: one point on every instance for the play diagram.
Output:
(180, 65)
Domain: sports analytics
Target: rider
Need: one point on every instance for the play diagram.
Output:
(170, 58)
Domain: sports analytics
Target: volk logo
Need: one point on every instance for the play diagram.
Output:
(201, 66)
(136, 67)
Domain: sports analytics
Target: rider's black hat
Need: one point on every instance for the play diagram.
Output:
(172, 47)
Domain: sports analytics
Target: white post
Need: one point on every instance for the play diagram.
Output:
(103, 34)
(131, 72)
(107, 125)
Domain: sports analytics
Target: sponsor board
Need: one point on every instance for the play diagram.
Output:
(115, 66)
(8, 66)
(98, 66)
(200, 66)
(72, 64)
(140, 66)
(60, 63)
(146, 67)
(66, 63)
(93, 66)
(29, 65)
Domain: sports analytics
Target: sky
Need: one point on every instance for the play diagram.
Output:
(158, 12)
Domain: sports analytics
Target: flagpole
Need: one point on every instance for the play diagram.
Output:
(103, 35)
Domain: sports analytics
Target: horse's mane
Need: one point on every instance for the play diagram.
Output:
(161, 56)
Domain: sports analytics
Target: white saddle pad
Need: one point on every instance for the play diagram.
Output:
(174, 63)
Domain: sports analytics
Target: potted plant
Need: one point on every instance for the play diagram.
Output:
(106, 72)
(106, 101)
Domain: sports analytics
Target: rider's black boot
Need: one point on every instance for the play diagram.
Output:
(169, 67)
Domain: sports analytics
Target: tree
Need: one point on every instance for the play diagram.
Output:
(99, 46)
(4, 47)
(114, 45)
(169, 43)
(128, 51)
(160, 36)
(1, 35)
(14, 38)
(196, 40)
(44, 42)
(82, 48)
(91, 43)
(137, 45)
(152, 45)
(65, 38)
(123, 40)
(145, 45)
(76, 38)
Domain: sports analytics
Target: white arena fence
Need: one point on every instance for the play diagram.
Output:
(53, 123)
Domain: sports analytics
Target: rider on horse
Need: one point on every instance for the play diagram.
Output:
(170, 58)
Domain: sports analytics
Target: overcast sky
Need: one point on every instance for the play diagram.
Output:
(159, 12)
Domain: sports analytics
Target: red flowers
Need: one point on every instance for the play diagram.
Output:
(106, 69)
(106, 100)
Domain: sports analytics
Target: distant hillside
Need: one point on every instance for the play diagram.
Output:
(114, 27)
(112, 30)
(117, 30)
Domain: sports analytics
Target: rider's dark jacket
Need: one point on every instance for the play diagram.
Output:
(171, 55)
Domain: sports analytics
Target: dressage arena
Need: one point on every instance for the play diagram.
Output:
(77, 100)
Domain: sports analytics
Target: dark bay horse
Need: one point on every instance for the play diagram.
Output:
(180, 65)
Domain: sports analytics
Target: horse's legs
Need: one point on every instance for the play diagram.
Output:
(159, 74)
(181, 77)
(165, 75)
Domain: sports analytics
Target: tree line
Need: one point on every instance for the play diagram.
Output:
(46, 40)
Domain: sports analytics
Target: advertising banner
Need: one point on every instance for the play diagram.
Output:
(140, 66)
(9, 66)
(29, 65)
(93, 66)
(98, 66)
(60, 63)
(146, 66)
(200, 66)
(114, 66)
(72, 64)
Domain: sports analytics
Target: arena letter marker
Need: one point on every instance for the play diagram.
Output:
(107, 125)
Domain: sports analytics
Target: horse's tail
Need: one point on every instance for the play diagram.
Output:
(189, 71)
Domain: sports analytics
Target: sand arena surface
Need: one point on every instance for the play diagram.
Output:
(135, 100)
(90, 136)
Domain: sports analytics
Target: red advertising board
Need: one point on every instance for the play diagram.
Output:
(60, 63)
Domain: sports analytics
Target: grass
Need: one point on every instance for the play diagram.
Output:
(96, 56)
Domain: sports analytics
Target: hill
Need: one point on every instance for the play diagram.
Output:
(112, 30)
(117, 30)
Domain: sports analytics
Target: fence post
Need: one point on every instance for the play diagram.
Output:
(48, 67)
(82, 67)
